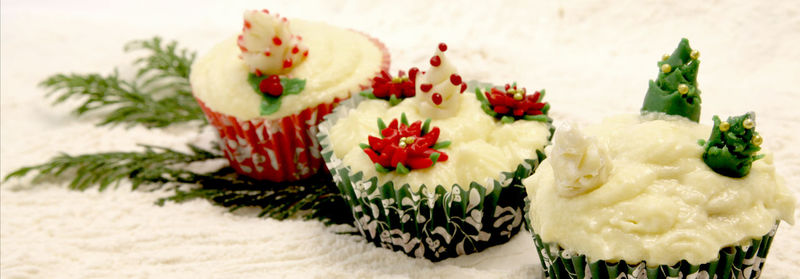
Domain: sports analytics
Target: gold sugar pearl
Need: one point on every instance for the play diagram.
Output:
(695, 54)
(512, 91)
(402, 144)
(724, 126)
(683, 89)
(397, 80)
(409, 140)
(748, 123)
(666, 68)
(757, 140)
(664, 57)
(517, 96)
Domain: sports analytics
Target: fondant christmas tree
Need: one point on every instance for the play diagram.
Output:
(675, 90)
(732, 146)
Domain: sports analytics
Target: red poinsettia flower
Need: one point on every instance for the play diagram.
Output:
(404, 147)
(402, 86)
(514, 102)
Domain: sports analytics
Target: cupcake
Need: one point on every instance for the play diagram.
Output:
(430, 165)
(266, 90)
(656, 194)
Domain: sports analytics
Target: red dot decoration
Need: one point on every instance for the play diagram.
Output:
(425, 87)
(436, 61)
(455, 79)
(437, 98)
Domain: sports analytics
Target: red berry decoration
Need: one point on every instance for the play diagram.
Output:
(436, 61)
(425, 87)
(395, 88)
(455, 79)
(514, 103)
(403, 147)
(271, 86)
(436, 98)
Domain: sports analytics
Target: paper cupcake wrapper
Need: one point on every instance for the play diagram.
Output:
(432, 222)
(284, 149)
(740, 262)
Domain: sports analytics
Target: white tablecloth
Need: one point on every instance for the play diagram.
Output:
(593, 57)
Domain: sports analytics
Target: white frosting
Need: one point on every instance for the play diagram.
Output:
(268, 45)
(481, 147)
(660, 202)
(583, 164)
(439, 78)
(339, 62)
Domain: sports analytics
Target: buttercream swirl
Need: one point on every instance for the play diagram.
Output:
(581, 161)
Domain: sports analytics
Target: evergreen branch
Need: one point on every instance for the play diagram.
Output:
(313, 198)
(154, 165)
(158, 96)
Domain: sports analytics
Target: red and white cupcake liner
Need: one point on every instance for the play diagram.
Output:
(284, 149)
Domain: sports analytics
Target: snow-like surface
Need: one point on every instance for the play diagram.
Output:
(594, 58)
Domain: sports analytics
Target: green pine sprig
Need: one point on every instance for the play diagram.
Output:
(153, 165)
(158, 96)
(313, 198)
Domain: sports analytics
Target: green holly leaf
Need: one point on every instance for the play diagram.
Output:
(270, 104)
(292, 85)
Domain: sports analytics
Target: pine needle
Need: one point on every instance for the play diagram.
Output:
(152, 165)
(313, 198)
(158, 96)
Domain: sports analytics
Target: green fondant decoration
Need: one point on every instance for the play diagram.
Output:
(401, 169)
(434, 158)
(381, 126)
(368, 94)
(393, 101)
(380, 168)
(270, 104)
(442, 144)
(426, 126)
(732, 152)
(663, 94)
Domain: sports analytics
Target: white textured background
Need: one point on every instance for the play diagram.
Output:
(594, 58)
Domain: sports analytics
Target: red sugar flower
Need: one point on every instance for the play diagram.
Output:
(405, 147)
(394, 89)
(513, 103)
